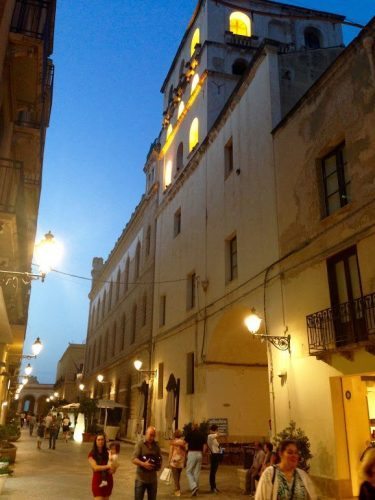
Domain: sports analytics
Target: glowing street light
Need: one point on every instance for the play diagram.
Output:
(138, 364)
(24, 380)
(56, 394)
(81, 387)
(47, 254)
(253, 322)
(28, 370)
(100, 378)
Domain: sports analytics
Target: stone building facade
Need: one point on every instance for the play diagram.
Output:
(69, 371)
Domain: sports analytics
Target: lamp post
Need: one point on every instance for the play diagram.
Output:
(253, 322)
(36, 349)
(28, 370)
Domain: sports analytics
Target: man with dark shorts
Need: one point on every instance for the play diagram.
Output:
(147, 458)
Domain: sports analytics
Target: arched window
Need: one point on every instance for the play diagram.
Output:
(93, 359)
(137, 261)
(170, 95)
(144, 310)
(118, 280)
(98, 313)
(148, 241)
(104, 303)
(110, 296)
(180, 110)
(194, 82)
(193, 134)
(93, 318)
(127, 266)
(240, 24)
(239, 66)
(105, 347)
(123, 331)
(114, 340)
(134, 324)
(182, 68)
(195, 40)
(180, 157)
(169, 130)
(313, 38)
(168, 174)
(99, 351)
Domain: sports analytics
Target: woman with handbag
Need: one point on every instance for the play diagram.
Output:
(177, 459)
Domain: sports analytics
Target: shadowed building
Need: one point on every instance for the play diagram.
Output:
(69, 370)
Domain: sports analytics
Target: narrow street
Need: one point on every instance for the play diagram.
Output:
(64, 473)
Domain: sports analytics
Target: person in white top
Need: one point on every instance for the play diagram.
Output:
(254, 471)
(215, 455)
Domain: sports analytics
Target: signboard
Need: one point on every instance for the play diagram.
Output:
(222, 424)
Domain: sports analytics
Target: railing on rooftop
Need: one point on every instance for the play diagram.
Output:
(10, 180)
(342, 325)
(240, 40)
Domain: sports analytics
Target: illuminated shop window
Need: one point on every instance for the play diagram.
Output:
(169, 130)
(181, 107)
(240, 24)
(194, 82)
(194, 134)
(196, 39)
(167, 174)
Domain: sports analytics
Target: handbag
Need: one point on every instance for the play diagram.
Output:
(166, 475)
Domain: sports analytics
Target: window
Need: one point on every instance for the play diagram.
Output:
(239, 67)
(110, 296)
(162, 310)
(105, 347)
(190, 291)
(137, 261)
(194, 82)
(228, 158)
(170, 95)
(190, 373)
(182, 68)
(232, 266)
(104, 303)
(98, 313)
(148, 241)
(144, 310)
(134, 324)
(177, 223)
(93, 359)
(114, 339)
(160, 380)
(127, 266)
(168, 174)
(118, 280)
(312, 38)
(99, 351)
(194, 134)
(240, 24)
(123, 331)
(335, 180)
(194, 41)
(180, 157)
(180, 110)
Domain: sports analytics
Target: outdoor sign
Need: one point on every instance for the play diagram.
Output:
(222, 424)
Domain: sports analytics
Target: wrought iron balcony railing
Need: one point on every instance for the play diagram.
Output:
(246, 42)
(10, 181)
(342, 325)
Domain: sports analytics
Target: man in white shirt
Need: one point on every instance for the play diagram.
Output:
(215, 455)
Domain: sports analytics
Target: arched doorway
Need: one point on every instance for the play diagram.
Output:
(28, 403)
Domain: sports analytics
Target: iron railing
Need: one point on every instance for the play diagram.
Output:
(240, 40)
(10, 180)
(342, 325)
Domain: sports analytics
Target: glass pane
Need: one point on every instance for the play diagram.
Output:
(341, 282)
(333, 203)
(330, 164)
(332, 184)
(354, 276)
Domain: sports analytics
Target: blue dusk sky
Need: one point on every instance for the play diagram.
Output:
(111, 58)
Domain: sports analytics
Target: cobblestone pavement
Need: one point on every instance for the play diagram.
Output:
(64, 473)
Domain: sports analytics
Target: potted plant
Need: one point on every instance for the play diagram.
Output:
(88, 407)
(5, 471)
(303, 444)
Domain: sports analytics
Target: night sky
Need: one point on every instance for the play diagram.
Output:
(110, 61)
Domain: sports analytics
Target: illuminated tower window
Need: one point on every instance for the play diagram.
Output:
(169, 130)
(167, 174)
(194, 134)
(181, 107)
(194, 41)
(240, 24)
(194, 82)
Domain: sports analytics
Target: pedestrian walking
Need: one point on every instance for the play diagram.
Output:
(367, 490)
(253, 473)
(41, 429)
(215, 455)
(270, 457)
(32, 423)
(177, 459)
(196, 441)
(66, 427)
(59, 423)
(53, 431)
(98, 459)
(147, 458)
(284, 480)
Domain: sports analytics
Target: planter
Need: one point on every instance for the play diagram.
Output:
(8, 450)
(87, 437)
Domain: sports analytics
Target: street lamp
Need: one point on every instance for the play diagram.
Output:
(56, 394)
(81, 387)
(28, 370)
(24, 380)
(253, 321)
(138, 365)
(100, 378)
(36, 348)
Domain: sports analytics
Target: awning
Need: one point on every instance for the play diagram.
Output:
(109, 403)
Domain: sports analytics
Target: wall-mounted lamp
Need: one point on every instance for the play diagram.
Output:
(138, 365)
(28, 370)
(81, 387)
(281, 342)
(36, 348)
(100, 379)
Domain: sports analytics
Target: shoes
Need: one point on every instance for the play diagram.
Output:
(177, 493)
(194, 492)
(215, 490)
(103, 483)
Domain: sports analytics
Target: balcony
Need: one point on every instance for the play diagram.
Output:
(344, 327)
(244, 42)
(10, 180)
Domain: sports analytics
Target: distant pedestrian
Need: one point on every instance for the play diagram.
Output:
(215, 455)
(253, 474)
(270, 457)
(66, 427)
(147, 458)
(41, 429)
(98, 459)
(285, 480)
(196, 441)
(177, 459)
(53, 431)
(59, 423)
(367, 490)
(32, 423)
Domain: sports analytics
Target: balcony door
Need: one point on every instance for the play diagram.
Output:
(346, 297)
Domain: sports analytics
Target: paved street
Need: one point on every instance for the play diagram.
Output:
(64, 474)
